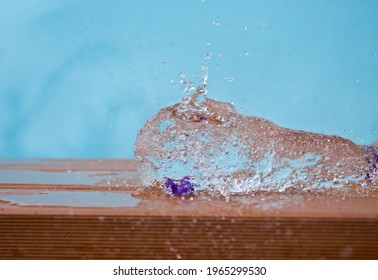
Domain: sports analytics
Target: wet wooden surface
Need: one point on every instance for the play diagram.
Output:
(94, 209)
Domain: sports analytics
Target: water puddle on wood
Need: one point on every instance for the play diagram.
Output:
(68, 198)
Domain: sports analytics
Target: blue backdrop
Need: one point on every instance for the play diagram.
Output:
(79, 78)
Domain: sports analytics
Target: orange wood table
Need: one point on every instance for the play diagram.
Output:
(94, 209)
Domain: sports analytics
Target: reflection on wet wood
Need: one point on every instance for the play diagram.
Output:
(94, 209)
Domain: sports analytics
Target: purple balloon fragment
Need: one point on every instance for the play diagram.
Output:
(372, 162)
(179, 187)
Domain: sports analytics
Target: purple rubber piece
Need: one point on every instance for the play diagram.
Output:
(179, 187)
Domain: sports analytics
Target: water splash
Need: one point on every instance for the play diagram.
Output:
(203, 145)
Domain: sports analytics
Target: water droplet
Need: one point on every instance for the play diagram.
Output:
(216, 23)
(230, 79)
(208, 43)
(207, 55)
(246, 28)
(204, 79)
(246, 53)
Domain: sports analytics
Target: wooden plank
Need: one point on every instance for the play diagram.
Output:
(264, 226)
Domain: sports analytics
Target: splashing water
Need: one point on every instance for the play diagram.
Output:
(204, 145)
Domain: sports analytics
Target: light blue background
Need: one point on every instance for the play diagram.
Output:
(79, 78)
